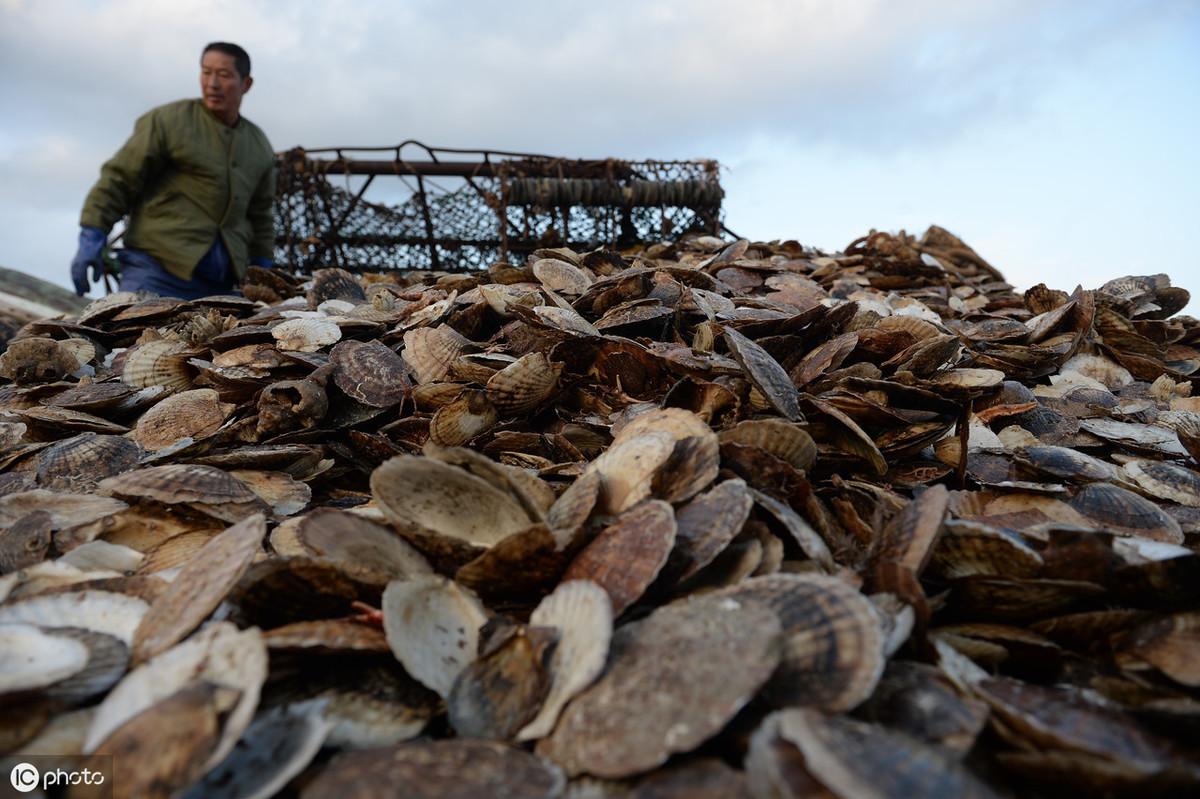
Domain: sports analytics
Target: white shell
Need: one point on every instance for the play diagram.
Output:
(31, 658)
(103, 611)
(432, 625)
(582, 613)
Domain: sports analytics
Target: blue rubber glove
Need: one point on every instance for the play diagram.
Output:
(91, 247)
(265, 263)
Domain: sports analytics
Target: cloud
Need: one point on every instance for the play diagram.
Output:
(868, 85)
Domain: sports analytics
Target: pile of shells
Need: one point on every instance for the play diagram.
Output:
(698, 519)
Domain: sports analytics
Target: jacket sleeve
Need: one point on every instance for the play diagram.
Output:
(261, 212)
(126, 174)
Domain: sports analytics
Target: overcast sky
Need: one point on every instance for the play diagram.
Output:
(1058, 138)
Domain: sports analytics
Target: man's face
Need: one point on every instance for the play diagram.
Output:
(221, 86)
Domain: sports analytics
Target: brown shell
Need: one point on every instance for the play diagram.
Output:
(469, 415)
(335, 284)
(370, 373)
(674, 679)
(560, 276)
(291, 405)
(177, 483)
(1166, 480)
(833, 656)
(1055, 718)
(459, 767)
(327, 636)
(354, 540)
(784, 440)
(921, 700)
(444, 511)
(432, 351)
(627, 556)
(198, 588)
(1171, 645)
(499, 692)
(797, 752)
(91, 397)
(82, 461)
(192, 414)
(524, 385)
(705, 526)
(766, 374)
(36, 360)
(158, 363)
(25, 542)
(162, 750)
(1118, 509)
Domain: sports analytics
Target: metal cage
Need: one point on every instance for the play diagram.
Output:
(459, 210)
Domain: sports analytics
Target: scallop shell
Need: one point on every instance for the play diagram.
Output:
(627, 469)
(673, 681)
(370, 373)
(25, 542)
(346, 538)
(524, 385)
(279, 743)
(220, 654)
(435, 504)
(469, 415)
(582, 614)
(179, 483)
(796, 752)
(192, 414)
(290, 405)
(706, 526)
(105, 612)
(833, 656)
(560, 276)
(32, 658)
(161, 750)
(766, 374)
(91, 397)
(432, 351)
(1166, 480)
(107, 662)
(37, 360)
(158, 363)
(1171, 645)
(284, 494)
(462, 766)
(335, 284)
(198, 588)
(1117, 509)
(65, 510)
(306, 335)
(433, 628)
(494, 696)
(784, 440)
(626, 557)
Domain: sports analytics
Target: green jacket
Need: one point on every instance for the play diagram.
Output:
(184, 177)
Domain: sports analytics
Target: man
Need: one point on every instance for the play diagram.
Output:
(197, 180)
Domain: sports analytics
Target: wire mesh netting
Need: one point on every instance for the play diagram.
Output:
(458, 210)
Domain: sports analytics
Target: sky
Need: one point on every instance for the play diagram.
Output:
(1056, 137)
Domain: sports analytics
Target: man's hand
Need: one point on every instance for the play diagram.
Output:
(90, 254)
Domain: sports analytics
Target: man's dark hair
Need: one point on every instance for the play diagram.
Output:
(241, 58)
